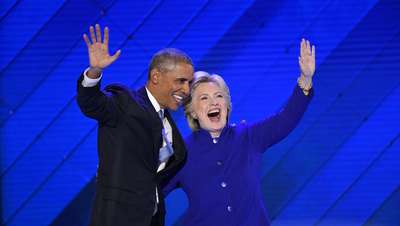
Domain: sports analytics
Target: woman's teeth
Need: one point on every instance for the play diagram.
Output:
(213, 113)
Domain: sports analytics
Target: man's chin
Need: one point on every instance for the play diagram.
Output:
(173, 107)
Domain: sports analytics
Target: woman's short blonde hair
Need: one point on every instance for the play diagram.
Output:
(199, 78)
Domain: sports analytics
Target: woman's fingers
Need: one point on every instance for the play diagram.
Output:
(302, 47)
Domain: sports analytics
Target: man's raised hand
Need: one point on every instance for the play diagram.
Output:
(99, 56)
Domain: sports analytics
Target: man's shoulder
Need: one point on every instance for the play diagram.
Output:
(117, 88)
(121, 90)
(126, 96)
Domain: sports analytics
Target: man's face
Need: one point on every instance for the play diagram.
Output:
(173, 86)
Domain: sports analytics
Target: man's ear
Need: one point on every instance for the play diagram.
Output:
(155, 76)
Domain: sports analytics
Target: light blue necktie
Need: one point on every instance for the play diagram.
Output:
(167, 150)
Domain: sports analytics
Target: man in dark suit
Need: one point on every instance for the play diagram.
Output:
(139, 145)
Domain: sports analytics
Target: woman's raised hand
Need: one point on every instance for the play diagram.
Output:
(307, 59)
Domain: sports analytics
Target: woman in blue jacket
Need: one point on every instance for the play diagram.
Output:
(222, 174)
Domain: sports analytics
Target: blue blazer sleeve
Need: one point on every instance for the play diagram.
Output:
(273, 129)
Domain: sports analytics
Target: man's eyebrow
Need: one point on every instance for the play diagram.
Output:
(182, 79)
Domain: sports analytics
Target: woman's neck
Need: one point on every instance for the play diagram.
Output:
(215, 134)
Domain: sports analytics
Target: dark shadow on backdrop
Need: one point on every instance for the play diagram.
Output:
(77, 212)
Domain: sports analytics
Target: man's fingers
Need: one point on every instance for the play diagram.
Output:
(98, 33)
(116, 55)
(91, 30)
(85, 37)
(106, 37)
(313, 52)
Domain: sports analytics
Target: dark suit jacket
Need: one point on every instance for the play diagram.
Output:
(129, 139)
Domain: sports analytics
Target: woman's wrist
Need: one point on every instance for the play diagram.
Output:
(305, 83)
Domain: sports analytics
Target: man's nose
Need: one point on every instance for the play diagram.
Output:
(186, 88)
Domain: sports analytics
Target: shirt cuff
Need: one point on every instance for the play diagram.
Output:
(90, 82)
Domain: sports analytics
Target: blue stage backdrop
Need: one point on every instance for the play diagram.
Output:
(340, 166)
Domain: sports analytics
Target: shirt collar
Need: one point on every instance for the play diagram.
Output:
(153, 101)
(206, 134)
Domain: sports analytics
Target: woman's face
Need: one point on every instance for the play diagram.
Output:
(209, 107)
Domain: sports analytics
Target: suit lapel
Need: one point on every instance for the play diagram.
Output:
(156, 124)
(138, 105)
(177, 141)
(177, 144)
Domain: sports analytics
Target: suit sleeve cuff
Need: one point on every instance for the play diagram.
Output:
(90, 82)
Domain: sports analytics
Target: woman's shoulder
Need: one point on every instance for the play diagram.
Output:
(191, 139)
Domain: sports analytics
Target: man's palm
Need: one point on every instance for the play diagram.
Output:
(99, 57)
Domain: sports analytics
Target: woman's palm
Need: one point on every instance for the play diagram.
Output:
(307, 58)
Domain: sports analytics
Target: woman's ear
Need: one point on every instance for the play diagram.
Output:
(194, 115)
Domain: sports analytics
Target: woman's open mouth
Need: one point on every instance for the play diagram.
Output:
(214, 115)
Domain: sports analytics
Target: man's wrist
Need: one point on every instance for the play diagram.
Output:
(90, 82)
(94, 72)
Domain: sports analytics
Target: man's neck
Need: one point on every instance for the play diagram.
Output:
(152, 98)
